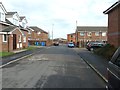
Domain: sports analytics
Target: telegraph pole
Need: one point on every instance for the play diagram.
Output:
(76, 34)
(52, 32)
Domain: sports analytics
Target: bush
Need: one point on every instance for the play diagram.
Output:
(107, 51)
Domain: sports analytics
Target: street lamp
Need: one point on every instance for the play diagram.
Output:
(52, 32)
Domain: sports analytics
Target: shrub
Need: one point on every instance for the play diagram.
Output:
(107, 51)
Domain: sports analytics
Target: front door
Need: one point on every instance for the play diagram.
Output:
(14, 41)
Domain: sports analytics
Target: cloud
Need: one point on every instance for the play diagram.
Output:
(62, 13)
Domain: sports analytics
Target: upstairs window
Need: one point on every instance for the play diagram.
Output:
(82, 33)
(15, 21)
(103, 33)
(2, 16)
(29, 32)
(89, 33)
(39, 33)
(97, 33)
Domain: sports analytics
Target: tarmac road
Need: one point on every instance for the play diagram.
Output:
(53, 67)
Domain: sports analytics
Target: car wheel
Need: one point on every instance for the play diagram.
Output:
(91, 49)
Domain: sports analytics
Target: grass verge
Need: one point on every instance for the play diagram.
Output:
(31, 48)
(4, 54)
(107, 51)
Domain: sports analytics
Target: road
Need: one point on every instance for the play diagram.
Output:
(52, 67)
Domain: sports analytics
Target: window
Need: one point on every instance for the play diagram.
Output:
(89, 33)
(2, 17)
(82, 33)
(15, 21)
(5, 38)
(97, 34)
(39, 33)
(71, 36)
(24, 39)
(103, 33)
(20, 38)
(29, 32)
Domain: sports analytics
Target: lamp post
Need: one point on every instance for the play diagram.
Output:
(52, 32)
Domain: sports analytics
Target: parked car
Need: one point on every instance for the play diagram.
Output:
(113, 71)
(94, 44)
(71, 44)
(56, 43)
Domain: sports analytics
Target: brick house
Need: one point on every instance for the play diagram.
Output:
(37, 36)
(12, 41)
(71, 37)
(85, 34)
(12, 36)
(114, 24)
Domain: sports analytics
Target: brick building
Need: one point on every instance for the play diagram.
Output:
(71, 37)
(12, 35)
(85, 34)
(114, 24)
(37, 36)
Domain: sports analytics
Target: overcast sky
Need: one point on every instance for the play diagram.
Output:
(62, 13)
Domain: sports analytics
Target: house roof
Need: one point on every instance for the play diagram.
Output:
(7, 21)
(71, 34)
(23, 29)
(22, 17)
(11, 13)
(37, 29)
(91, 28)
(112, 7)
(9, 29)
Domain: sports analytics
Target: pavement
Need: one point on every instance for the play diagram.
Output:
(98, 63)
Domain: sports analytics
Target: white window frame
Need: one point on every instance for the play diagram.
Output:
(20, 38)
(4, 38)
(39, 33)
(24, 39)
(2, 16)
(82, 33)
(97, 33)
(104, 34)
(89, 33)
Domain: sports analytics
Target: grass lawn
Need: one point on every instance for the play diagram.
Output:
(31, 48)
(3, 54)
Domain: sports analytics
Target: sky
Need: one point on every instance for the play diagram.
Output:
(60, 16)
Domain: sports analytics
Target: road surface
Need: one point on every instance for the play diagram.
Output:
(52, 67)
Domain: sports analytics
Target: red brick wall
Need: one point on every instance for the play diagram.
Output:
(93, 37)
(44, 36)
(3, 45)
(114, 27)
(73, 38)
(84, 39)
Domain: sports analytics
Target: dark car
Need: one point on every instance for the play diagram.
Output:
(94, 44)
(113, 72)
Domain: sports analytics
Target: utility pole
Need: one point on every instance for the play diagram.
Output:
(52, 32)
(76, 34)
